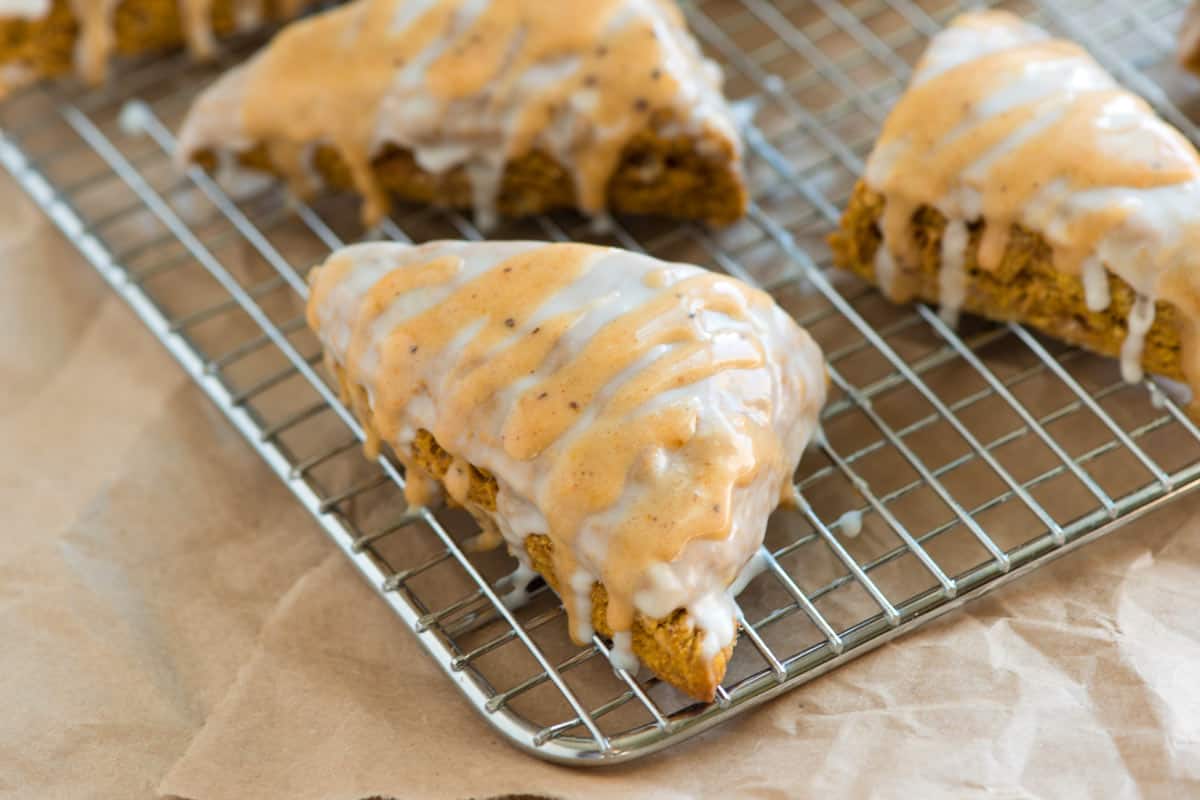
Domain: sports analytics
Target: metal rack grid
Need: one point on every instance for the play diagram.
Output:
(951, 462)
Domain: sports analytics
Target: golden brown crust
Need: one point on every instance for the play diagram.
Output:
(46, 46)
(1026, 287)
(668, 176)
(672, 648)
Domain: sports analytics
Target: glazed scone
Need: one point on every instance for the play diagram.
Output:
(508, 107)
(624, 425)
(1015, 179)
(45, 38)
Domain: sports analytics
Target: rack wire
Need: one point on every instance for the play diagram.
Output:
(951, 462)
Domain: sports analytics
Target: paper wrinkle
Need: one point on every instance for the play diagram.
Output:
(286, 601)
(171, 618)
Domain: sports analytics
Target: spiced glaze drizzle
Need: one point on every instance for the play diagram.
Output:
(469, 84)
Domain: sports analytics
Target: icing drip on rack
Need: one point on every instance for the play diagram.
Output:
(1006, 126)
(646, 416)
(469, 84)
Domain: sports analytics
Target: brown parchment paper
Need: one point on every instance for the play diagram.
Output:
(172, 623)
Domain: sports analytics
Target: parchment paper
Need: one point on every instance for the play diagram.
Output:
(171, 622)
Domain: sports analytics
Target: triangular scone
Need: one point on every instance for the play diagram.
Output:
(623, 424)
(44, 38)
(508, 106)
(1015, 179)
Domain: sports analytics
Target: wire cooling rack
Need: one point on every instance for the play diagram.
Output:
(951, 461)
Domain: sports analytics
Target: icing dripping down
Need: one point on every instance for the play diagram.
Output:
(754, 567)
(579, 605)
(1007, 127)
(642, 415)
(97, 40)
(469, 86)
(952, 279)
(1141, 317)
(622, 652)
(520, 580)
(1095, 285)
(885, 270)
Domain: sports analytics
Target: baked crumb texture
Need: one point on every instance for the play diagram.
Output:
(50, 45)
(658, 175)
(641, 420)
(672, 648)
(1026, 287)
(1016, 179)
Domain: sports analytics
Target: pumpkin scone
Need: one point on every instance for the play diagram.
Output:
(1017, 180)
(507, 107)
(623, 425)
(46, 38)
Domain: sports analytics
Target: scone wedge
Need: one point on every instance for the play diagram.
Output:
(623, 425)
(1017, 180)
(509, 107)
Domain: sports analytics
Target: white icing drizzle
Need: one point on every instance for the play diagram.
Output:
(580, 598)
(754, 567)
(1095, 284)
(25, 9)
(621, 655)
(471, 84)
(885, 270)
(1141, 317)
(1006, 126)
(520, 579)
(952, 277)
(686, 390)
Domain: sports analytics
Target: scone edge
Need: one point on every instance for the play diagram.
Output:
(1026, 287)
